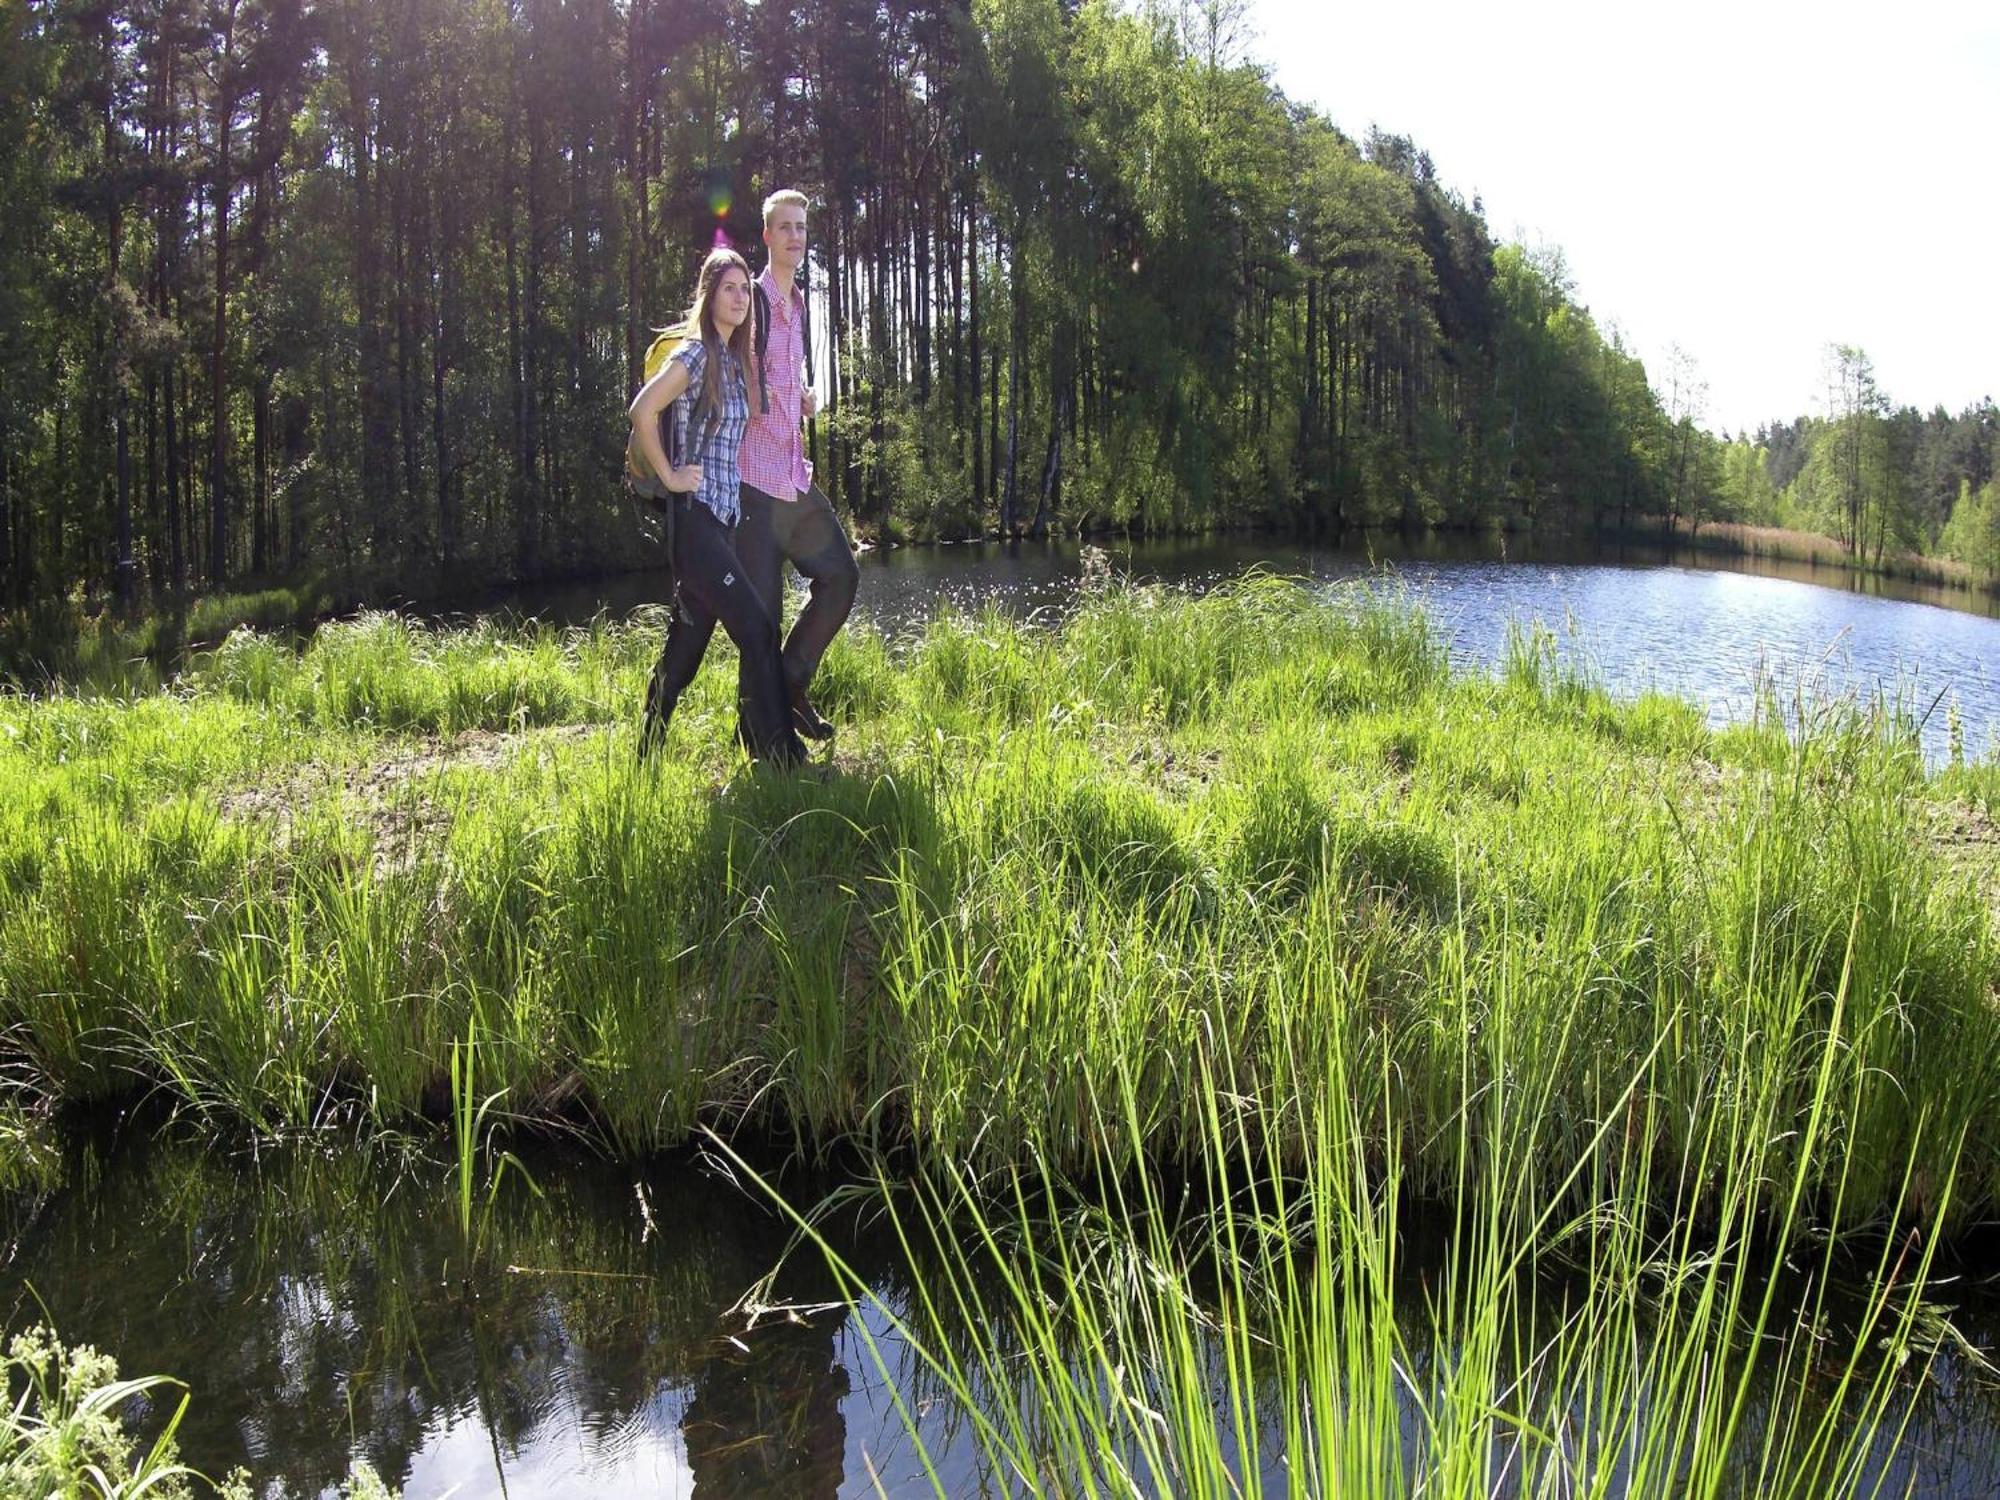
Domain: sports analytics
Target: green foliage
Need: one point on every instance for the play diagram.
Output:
(282, 895)
(1972, 534)
(1080, 266)
(64, 1433)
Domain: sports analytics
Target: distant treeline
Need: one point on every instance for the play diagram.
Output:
(362, 287)
(1880, 479)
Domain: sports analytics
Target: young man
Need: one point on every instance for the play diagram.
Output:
(786, 517)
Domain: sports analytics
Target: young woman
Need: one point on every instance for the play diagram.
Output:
(704, 391)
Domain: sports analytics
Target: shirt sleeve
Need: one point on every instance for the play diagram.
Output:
(693, 354)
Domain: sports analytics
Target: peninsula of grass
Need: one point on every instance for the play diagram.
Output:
(1265, 833)
(1162, 959)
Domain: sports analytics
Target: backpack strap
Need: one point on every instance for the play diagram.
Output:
(684, 405)
(762, 312)
(805, 317)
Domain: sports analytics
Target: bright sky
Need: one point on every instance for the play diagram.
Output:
(1752, 181)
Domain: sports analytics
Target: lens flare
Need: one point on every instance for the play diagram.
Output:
(719, 200)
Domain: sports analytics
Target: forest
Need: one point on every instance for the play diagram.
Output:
(360, 288)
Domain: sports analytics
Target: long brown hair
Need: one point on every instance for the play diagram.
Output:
(701, 324)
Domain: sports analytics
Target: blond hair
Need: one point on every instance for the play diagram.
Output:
(783, 198)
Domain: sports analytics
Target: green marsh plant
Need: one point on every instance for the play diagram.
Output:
(474, 1121)
(1191, 964)
(63, 1431)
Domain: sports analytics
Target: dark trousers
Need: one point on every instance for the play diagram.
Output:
(713, 584)
(806, 533)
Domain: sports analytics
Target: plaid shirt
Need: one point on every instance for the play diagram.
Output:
(721, 475)
(774, 451)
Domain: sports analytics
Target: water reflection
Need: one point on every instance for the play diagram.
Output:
(323, 1305)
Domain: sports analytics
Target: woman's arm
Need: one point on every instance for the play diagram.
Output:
(655, 397)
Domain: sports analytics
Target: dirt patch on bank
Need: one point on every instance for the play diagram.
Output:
(396, 795)
(1969, 838)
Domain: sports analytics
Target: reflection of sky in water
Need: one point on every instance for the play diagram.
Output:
(573, 1454)
(564, 1460)
(1711, 637)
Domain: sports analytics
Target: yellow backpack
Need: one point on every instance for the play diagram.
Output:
(638, 472)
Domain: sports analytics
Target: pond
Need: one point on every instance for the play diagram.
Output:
(598, 1333)
(322, 1305)
(1718, 631)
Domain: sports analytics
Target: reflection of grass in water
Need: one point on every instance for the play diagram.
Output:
(58, 642)
(1255, 1329)
(321, 1303)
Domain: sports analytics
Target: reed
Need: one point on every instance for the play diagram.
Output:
(1044, 862)
(1251, 1329)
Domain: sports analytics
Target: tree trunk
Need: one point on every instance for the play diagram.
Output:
(1051, 470)
(636, 188)
(8, 590)
(444, 333)
(218, 450)
(155, 552)
(520, 344)
(980, 492)
(260, 442)
(124, 570)
(1009, 497)
(176, 524)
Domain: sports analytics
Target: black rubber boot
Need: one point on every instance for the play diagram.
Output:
(806, 719)
(655, 716)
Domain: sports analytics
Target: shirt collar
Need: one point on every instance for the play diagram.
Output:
(770, 285)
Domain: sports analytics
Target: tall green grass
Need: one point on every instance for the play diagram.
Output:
(1249, 1327)
(1188, 967)
(1042, 859)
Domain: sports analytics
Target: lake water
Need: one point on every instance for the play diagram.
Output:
(322, 1304)
(1639, 617)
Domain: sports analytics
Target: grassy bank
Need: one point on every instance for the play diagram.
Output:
(1732, 539)
(1248, 832)
(1170, 955)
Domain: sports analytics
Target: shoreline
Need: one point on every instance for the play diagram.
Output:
(68, 643)
(1271, 788)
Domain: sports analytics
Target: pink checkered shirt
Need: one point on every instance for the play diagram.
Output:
(774, 450)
